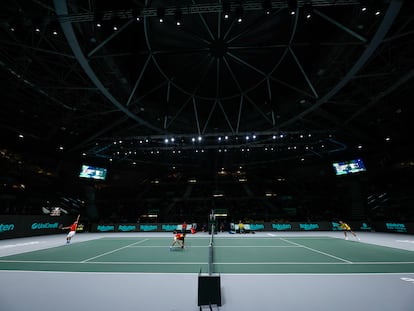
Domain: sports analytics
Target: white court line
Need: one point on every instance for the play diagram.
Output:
(223, 246)
(106, 262)
(322, 275)
(405, 241)
(269, 237)
(204, 263)
(113, 251)
(19, 244)
(315, 250)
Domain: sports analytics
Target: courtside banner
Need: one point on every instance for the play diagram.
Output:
(302, 226)
(16, 226)
(394, 226)
(125, 227)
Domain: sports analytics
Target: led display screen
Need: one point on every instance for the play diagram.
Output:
(92, 172)
(349, 167)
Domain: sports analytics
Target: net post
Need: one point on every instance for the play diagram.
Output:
(210, 252)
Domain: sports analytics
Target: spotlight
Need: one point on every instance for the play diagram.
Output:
(293, 6)
(161, 14)
(178, 15)
(226, 10)
(54, 28)
(136, 14)
(97, 19)
(239, 14)
(37, 25)
(308, 10)
(267, 6)
(115, 24)
(364, 5)
(12, 28)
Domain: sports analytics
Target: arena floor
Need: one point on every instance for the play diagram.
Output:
(266, 271)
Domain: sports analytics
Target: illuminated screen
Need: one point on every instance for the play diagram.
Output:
(349, 167)
(92, 172)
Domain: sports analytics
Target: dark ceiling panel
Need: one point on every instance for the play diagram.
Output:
(269, 75)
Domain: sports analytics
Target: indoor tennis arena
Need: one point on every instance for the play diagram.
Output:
(192, 155)
(138, 271)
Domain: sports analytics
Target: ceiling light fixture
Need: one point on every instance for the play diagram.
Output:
(267, 6)
(293, 6)
(136, 14)
(226, 10)
(239, 14)
(308, 10)
(161, 14)
(178, 15)
(97, 18)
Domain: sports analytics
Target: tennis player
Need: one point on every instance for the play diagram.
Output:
(72, 230)
(346, 228)
(241, 227)
(184, 228)
(178, 239)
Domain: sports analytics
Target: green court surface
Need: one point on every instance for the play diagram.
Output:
(231, 255)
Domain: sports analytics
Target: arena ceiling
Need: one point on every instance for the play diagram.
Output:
(293, 81)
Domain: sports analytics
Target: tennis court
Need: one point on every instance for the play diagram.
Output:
(259, 263)
(238, 254)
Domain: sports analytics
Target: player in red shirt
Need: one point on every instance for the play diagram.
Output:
(72, 230)
(178, 238)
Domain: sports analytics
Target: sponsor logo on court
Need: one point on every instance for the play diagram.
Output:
(6, 227)
(45, 225)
